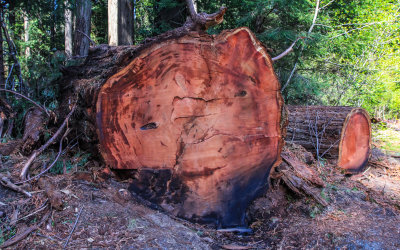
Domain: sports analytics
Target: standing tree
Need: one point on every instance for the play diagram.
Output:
(2, 80)
(26, 33)
(82, 28)
(68, 25)
(120, 22)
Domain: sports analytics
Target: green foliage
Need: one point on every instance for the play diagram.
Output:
(78, 161)
(6, 233)
(349, 58)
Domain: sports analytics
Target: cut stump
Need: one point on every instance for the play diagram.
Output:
(342, 133)
(198, 119)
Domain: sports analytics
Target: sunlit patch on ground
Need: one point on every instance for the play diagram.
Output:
(387, 138)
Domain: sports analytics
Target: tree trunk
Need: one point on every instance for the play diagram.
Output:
(82, 28)
(2, 77)
(26, 34)
(120, 22)
(342, 133)
(68, 29)
(195, 119)
(13, 56)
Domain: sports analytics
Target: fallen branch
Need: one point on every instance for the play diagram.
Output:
(7, 183)
(48, 143)
(298, 185)
(28, 99)
(51, 165)
(73, 228)
(25, 233)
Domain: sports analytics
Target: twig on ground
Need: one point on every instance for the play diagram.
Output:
(235, 230)
(73, 228)
(7, 183)
(25, 233)
(28, 99)
(35, 212)
(46, 236)
(42, 148)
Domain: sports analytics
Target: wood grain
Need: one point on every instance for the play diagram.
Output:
(199, 120)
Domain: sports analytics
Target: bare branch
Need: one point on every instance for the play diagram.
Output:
(48, 143)
(302, 48)
(315, 18)
(28, 99)
(13, 51)
(88, 37)
(287, 51)
(51, 165)
(202, 21)
(7, 183)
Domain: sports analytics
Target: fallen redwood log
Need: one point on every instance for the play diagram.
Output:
(195, 119)
(342, 133)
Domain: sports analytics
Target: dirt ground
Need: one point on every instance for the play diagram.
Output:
(363, 213)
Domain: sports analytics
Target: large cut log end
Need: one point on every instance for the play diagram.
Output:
(198, 119)
(354, 148)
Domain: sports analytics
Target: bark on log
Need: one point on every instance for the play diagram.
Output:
(342, 133)
(197, 119)
(34, 123)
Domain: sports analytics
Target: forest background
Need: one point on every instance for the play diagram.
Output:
(348, 54)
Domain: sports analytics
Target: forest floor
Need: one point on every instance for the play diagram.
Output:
(97, 211)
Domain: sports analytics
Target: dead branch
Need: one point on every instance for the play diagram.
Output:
(73, 228)
(48, 143)
(302, 48)
(88, 37)
(287, 51)
(28, 99)
(25, 233)
(7, 183)
(13, 52)
(202, 21)
(51, 165)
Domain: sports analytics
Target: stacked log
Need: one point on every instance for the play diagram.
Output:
(342, 133)
(196, 119)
